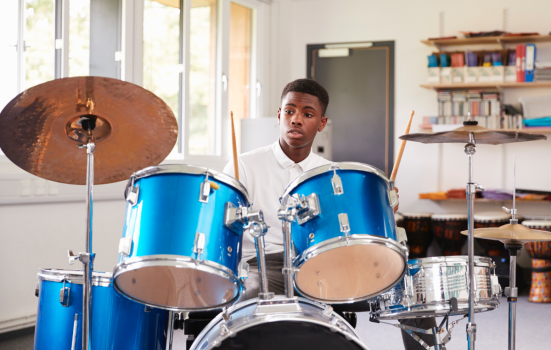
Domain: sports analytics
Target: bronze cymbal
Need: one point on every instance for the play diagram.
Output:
(511, 234)
(481, 135)
(40, 129)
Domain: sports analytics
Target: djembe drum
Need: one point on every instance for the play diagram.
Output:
(447, 232)
(419, 232)
(540, 291)
(399, 220)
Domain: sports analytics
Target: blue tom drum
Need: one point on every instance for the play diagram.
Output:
(116, 322)
(344, 239)
(182, 238)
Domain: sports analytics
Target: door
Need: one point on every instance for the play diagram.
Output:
(359, 78)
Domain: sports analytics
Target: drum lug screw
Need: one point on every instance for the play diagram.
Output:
(311, 236)
(229, 249)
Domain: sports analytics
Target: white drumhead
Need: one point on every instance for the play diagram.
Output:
(398, 217)
(412, 215)
(537, 223)
(445, 217)
(488, 216)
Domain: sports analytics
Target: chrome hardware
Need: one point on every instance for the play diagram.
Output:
(132, 193)
(236, 218)
(307, 207)
(37, 289)
(401, 234)
(243, 270)
(147, 308)
(199, 244)
(474, 187)
(256, 228)
(408, 282)
(85, 258)
(75, 329)
(64, 294)
(125, 245)
(336, 180)
(393, 198)
(205, 190)
(311, 236)
(287, 212)
(328, 310)
(272, 306)
(344, 223)
(511, 292)
(496, 287)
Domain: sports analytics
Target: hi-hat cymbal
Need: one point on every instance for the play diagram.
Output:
(41, 128)
(511, 234)
(481, 135)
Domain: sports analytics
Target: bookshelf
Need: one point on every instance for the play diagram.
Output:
(502, 40)
(494, 85)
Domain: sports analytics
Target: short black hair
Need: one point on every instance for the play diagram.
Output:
(310, 87)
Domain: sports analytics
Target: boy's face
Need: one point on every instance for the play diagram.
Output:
(300, 118)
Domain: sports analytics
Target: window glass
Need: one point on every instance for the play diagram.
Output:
(240, 65)
(202, 77)
(39, 42)
(79, 38)
(161, 33)
(8, 52)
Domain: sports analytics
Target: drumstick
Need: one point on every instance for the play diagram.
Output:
(234, 144)
(402, 146)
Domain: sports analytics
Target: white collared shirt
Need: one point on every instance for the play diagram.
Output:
(265, 173)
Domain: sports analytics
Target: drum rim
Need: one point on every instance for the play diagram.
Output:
(478, 260)
(438, 309)
(414, 215)
(449, 217)
(136, 263)
(274, 317)
(340, 166)
(101, 279)
(192, 170)
(341, 241)
(537, 223)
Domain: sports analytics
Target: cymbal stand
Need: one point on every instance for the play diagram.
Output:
(472, 187)
(287, 214)
(257, 228)
(87, 258)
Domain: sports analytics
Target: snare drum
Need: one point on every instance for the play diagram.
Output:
(432, 282)
(345, 243)
(419, 232)
(447, 232)
(278, 323)
(116, 322)
(540, 291)
(177, 251)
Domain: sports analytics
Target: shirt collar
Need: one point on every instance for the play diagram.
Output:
(285, 161)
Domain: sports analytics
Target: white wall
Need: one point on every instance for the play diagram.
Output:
(297, 23)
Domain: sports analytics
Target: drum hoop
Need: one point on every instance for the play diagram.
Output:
(355, 239)
(192, 170)
(101, 279)
(175, 260)
(437, 309)
(340, 166)
(269, 318)
(537, 223)
(480, 261)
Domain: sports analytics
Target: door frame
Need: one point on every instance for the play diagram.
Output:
(311, 50)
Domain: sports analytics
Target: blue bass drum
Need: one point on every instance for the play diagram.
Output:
(344, 239)
(178, 251)
(116, 322)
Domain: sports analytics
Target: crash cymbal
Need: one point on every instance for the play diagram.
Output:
(41, 128)
(481, 135)
(511, 234)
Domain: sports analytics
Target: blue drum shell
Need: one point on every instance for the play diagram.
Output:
(116, 322)
(168, 215)
(365, 200)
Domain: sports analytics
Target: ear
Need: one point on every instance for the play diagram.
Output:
(323, 123)
(278, 116)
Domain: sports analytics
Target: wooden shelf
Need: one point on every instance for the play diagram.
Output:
(485, 200)
(525, 130)
(494, 85)
(502, 40)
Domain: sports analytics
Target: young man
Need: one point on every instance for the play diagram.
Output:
(267, 171)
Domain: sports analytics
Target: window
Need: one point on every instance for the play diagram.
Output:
(39, 37)
(79, 38)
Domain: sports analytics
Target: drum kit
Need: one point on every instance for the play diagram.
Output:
(181, 244)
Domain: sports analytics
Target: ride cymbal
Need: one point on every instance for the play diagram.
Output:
(481, 135)
(511, 234)
(41, 128)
